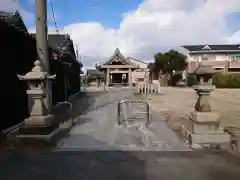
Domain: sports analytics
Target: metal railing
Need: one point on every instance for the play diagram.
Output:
(123, 109)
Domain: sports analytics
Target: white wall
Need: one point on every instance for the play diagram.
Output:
(139, 73)
(213, 57)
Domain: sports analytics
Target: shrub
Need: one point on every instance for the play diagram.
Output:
(175, 79)
(231, 80)
(164, 79)
(191, 80)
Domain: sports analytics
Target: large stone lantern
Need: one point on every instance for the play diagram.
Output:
(203, 126)
(40, 121)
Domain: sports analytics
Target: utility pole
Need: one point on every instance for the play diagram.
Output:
(77, 52)
(42, 47)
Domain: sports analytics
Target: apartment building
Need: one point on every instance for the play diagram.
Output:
(221, 57)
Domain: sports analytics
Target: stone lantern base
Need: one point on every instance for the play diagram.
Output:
(203, 128)
(41, 125)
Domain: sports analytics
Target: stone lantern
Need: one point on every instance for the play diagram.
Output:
(204, 88)
(203, 126)
(40, 120)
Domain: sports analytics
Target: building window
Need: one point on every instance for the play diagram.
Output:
(236, 58)
(204, 57)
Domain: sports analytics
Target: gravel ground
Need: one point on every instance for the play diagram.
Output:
(175, 104)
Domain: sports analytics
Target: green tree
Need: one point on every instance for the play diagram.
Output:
(161, 62)
(169, 61)
(176, 61)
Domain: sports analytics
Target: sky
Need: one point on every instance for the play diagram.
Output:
(139, 28)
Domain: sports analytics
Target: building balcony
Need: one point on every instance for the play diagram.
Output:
(216, 65)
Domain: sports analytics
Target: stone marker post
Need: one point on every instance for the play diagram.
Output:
(40, 121)
(203, 126)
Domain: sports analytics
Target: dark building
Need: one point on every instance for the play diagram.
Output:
(95, 76)
(18, 53)
(64, 63)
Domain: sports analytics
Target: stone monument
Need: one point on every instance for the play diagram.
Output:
(40, 121)
(203, 126)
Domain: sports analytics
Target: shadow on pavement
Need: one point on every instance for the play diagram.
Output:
(82, 103)
(75, 163)
(71, 164)
(85, 104)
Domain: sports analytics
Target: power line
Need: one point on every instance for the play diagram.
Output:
(53, 14)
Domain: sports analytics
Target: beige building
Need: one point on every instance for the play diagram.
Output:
(123, 71)
(221, 57)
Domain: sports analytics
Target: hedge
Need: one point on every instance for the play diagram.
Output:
(231, 80)
(220, 80)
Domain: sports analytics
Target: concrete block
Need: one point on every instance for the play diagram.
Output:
(197, 140)
(196, 146)
(235, 137)
(39, 120)
(194, 127)
(212, 138)
(204, 117)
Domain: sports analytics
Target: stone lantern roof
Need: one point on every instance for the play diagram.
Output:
(37, 73)
(204, 69)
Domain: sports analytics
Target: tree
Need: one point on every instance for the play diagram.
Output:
(161, 62)
(169, 61)
(176, 61)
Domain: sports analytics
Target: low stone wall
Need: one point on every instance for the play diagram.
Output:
(62, 112)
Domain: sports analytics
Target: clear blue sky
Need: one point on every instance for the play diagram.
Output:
(233, 22)
(107, 12)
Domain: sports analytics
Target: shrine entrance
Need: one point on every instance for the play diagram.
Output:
(119, 79)
(117, 70)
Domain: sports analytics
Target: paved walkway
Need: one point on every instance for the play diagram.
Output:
(96, 130)
(100, 130)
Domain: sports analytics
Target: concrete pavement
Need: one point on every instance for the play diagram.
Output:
(101, 131)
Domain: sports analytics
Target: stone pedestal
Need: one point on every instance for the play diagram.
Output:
(41, 125)
(235, 138)
(204, 128)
